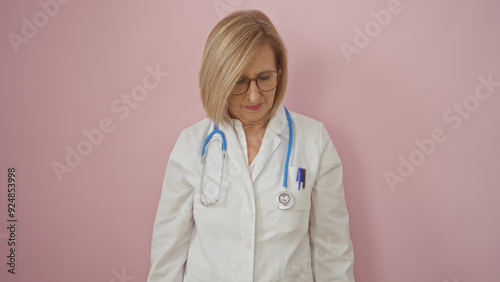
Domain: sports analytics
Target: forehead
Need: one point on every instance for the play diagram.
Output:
(262, 61)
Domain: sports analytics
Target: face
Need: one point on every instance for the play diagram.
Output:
(254, 106)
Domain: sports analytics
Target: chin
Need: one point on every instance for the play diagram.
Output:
(256, 116)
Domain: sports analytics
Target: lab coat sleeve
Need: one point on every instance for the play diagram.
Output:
(331, 247)
(174, 220)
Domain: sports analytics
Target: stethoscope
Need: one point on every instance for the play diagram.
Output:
(284, 200)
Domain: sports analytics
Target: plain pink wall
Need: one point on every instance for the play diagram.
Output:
(377, 93)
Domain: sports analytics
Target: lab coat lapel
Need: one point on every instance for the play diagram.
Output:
(237, 162)
(276, 130)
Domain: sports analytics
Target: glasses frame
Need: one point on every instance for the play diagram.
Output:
(256, 83)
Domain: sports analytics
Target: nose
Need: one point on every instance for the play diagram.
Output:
(253, 93)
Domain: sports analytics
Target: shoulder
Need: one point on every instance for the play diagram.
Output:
(192, 137)
(310, 131)
(302, 122)
(197, 130)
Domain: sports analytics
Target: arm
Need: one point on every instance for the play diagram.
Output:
(331, 247)
(174, 221)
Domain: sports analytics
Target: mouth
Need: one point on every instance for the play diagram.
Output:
(254, 107)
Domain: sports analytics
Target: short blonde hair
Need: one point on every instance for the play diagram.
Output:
(231, 45)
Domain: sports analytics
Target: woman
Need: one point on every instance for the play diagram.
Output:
(229, 217)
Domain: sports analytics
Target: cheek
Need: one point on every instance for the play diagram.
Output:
(233, 102)
(270, 98)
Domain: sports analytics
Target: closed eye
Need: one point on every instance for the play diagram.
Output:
(241, 81)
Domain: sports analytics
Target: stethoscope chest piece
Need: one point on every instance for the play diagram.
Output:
(284, 200)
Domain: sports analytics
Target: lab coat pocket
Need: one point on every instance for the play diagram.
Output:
(295, 220)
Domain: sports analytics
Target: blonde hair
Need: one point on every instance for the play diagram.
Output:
(231, 45)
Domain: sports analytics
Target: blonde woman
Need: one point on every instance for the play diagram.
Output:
(254, 191)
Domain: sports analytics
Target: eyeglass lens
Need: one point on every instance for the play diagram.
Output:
(266, 82)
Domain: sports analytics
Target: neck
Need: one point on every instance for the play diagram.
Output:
(255, 127)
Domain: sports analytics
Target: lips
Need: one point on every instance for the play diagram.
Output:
(254, 107)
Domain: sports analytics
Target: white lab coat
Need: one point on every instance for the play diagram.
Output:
(245, 236)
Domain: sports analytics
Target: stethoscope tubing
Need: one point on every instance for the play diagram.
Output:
(214, 131)
(288, 196)
(289, 149)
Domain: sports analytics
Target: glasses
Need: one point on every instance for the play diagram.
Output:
(265, 81)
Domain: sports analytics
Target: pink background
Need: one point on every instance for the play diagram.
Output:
(440, 224)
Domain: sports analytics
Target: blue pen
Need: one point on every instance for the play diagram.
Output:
(299, 176)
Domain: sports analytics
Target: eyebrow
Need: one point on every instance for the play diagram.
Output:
(264, 71)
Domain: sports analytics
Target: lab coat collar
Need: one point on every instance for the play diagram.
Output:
(277, 129)
(278, 123)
